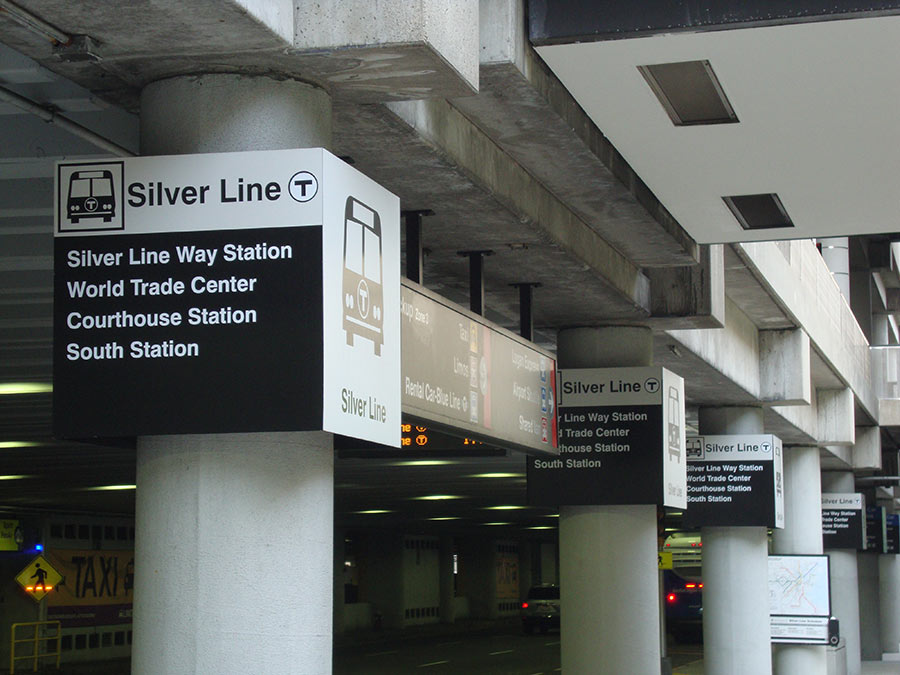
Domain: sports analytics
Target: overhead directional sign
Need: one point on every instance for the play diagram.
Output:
(230, 292)
(621, 434)
(464, 373)
(38, 578)
(735, 480)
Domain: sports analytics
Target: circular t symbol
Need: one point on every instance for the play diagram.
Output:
(362, 298)
(90, 204)
(652, 385)
(303, 186)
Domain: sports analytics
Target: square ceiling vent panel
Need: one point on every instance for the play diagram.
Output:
(759, 212)
(690, 92)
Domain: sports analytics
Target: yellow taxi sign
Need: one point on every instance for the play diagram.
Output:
(38, 578)
(10, 535)
(665, 560)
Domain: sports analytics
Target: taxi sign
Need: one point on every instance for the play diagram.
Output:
(38, 578)
(8, 531)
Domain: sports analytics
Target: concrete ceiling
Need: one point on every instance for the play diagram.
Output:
(816, 104)
(469, 214)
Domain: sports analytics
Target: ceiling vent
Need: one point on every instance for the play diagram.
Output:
(690, 93)
(758, 212)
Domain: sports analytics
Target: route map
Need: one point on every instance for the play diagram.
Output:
(798, 586)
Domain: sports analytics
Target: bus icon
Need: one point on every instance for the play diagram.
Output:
(362, 283)
(91, 195)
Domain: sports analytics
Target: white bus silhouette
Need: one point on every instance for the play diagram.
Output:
(362, 287)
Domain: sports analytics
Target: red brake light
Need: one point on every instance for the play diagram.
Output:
(671, 597)
(701, 585)
(524, 605)
(690, 585)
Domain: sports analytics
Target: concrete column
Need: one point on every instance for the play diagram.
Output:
(549, 566)
(836, 253)
(526, 567)
(869, 607)
(889, 584)
(338, 579)
(477, 575)
(381, 578)
(736, 638)
(607, 554)
(802, 534)
(845, 580)
(233, 528)
(446, 579)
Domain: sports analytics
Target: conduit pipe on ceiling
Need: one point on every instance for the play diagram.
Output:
(52, 117)
(34, 23)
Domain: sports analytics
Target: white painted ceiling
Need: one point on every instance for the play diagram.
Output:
(819, 123)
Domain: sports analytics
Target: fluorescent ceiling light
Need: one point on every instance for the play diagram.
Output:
(758, 212)
(436, 498)
(14, 477)
(690, 93)
(444, 518)
(497, 475)
(424, 462)
(9, 445)
(541, 527)
(372, 512)
(505, 507)
(492, 524)
(111, 488)
(13, 388)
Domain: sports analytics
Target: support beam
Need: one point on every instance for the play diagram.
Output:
(526, 308)
(476, 279)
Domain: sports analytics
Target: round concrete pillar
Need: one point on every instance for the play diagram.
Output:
(607, 554)
(234, 547)
(234, 538)
(845, 580)
(232, 113)
(889, 582)
(836, 253)
(802, 534)
(736, 638)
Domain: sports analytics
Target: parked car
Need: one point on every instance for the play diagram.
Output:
(684, 607)
(541, 608)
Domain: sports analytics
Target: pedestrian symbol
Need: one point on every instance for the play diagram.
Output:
(39, 578)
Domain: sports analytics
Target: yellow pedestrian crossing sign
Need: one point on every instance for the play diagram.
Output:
(38, 578)
(665, 560)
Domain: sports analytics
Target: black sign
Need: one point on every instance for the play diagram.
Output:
(843, 524)
(621, 440)
(188, 332)
(892, 528)
(876, 530)
(598, 456)
(734, 480)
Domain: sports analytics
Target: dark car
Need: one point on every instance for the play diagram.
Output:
(541, 608)
(684, 607)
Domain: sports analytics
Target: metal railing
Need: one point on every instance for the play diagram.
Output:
(38, 639)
